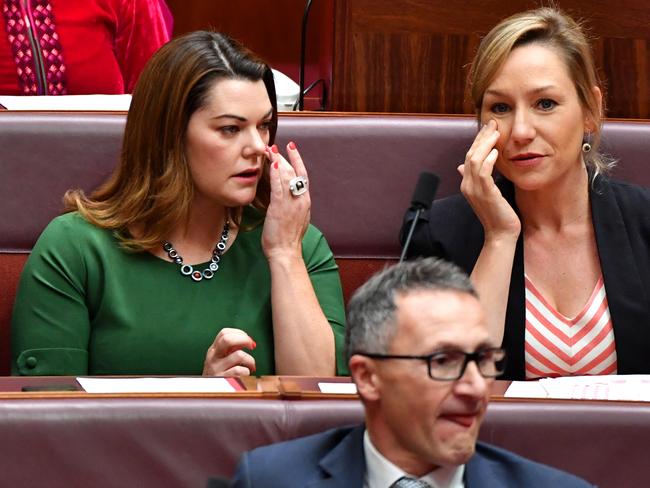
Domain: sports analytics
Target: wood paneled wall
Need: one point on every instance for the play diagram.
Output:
(413, 55)
(270, 28)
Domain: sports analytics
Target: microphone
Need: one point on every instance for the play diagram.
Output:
(425, 191)
(303, 48)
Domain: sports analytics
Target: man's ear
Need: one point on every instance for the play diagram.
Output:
(364, 374)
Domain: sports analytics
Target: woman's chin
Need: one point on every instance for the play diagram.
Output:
(237, 199)
(528, 181)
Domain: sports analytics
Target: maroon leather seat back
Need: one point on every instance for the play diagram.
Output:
(81, 442)
(362, 168)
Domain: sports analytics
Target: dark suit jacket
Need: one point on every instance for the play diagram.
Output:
(335, 459)
(621, 218)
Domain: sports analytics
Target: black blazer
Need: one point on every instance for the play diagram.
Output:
(621, 218)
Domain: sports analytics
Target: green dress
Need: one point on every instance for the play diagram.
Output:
(85, 306)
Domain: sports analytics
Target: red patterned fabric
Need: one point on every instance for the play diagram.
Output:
(31, 32)
(104, 44)
(556, 345)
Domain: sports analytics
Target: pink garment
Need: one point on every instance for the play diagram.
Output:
(84, 46)
(556, 345)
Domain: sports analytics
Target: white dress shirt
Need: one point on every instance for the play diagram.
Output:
(381, 473)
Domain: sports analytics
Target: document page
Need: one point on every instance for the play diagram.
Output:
(85, 103)
(159, 385)
(609, 387)
(338, 388)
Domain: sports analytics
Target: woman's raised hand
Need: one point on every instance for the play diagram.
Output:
(494, 212)
(288, 215)
(226, 357)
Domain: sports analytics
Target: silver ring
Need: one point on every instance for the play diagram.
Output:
(298, 185)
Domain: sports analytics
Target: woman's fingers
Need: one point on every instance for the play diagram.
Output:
(224, 368)
(234, 360)
(236, 371)
(479, 188)
(230, 339)
(294, 166)
(288, 214)
(296, 160)
(483, 144)
(275, 176)
(226, 356)
(283, 171)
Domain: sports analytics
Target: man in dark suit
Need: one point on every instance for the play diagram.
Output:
(420, 354)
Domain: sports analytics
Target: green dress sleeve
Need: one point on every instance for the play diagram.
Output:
(324, 274)
(50, 313)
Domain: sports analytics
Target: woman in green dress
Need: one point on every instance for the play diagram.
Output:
(196, 256)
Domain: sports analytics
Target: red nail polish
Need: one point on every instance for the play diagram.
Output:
(292, 145)
(274, 148)
(254, 344)
(275, 165)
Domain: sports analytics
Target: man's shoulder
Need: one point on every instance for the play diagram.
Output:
(493, 466)
(333, 453)
(314, 445)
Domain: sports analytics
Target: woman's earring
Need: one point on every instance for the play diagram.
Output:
(586, 143)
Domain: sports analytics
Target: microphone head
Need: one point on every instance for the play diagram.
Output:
(425, 190)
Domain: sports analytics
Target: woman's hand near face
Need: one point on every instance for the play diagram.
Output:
(302, 337)
(225, 357)
(288, 216)
(501, 225)
(495, 213)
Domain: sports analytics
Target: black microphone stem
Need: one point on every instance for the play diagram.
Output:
(410, 234)
(303, 48)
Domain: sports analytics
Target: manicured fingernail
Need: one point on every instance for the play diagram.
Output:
(275, 165)
(254, 344)
(292, 145)
(274, 148)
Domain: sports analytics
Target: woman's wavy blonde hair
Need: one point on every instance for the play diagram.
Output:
(553, 28)
(151, 189)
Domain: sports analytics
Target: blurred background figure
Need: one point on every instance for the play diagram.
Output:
(73, 47)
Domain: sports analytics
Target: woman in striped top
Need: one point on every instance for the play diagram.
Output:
(559, 253)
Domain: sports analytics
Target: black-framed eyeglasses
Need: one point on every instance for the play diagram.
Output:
(450, 364)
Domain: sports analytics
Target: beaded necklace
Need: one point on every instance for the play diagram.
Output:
(207, 273)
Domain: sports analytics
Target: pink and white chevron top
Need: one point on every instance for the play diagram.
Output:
(559, 346)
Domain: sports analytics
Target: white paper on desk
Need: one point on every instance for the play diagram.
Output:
(525, 389)
(86, 103)
(156, 385)
(338, 388)
(608, 387)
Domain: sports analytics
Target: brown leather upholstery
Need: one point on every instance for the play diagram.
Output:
(362, 170)
(180, 442)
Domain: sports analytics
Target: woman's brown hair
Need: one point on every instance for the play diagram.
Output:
(151, 189)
